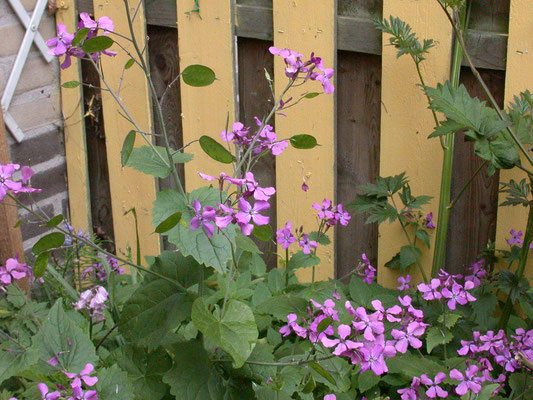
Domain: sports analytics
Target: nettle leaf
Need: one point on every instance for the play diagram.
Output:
(198, 75)
(320, 238)
(501, 154)
(521, 115)
(51, 241)
(215, 150)
(436, 336)
(451, 319)
(446, 127)
(114, 384)
(158, 305)
(15, 359)
(517, 193)
(235, 332)
(145, 369)
(423, 236)
(213, 252)
(62, 338)
(127, 148)
(408, 256)
(303, 142)
(301, 260)
(193, 375)
(97, 44)
(145, 160)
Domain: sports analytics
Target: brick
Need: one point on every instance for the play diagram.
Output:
(36, 109)
(37, 73)
(38, 149)
(52, 181)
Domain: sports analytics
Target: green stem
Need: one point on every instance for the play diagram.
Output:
(524, 253)
(454, 201)
(443, 214)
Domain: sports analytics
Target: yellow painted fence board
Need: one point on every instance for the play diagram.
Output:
(306, 26)
(518, 78)
(74, 131)
(406, 121)
(128, 187)
(206, 38)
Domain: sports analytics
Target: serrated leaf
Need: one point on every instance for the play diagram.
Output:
(168, 223)
(51, 241)
(97, 44)
(127, 147)
(235, 332)
(198, 75)
(320, 238)
(55, 221)
(410, 365)
(301, 260)
(71, 84)
(280, 306)
(408, 256)
(436, 336)
(304, 142)
(15, 359)
(114, 384)
(41, 262)
(423, 236)
(145, 160)
(215, 150)
(451, 319)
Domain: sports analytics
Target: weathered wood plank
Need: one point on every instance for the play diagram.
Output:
(518, 78)
(74, 132)
(255, 99)
(306, 29)
(358, 138)
(406, 121)
(129, 188)
(473, 219)
(356, 31)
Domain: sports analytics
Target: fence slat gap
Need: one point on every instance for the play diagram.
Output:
(306, 29)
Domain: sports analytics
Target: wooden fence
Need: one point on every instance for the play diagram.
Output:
(377, 122)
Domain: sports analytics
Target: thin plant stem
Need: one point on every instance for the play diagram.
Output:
(467, 184)
(282, 364)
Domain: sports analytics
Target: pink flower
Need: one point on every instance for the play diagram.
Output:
(458, 294)
(516, 237)
(307, 244)
(292, 325)
(469, 381)
(410, 393)
(372, 358)
(60, 44)
(84, 376)
(370, 324)
(409, 336)
(46, 394)
(93, 300)
(203, 218)
(285, 236)
(13, 270)
(430, 292)
(104, 23)
(434, 389)
(428, 221)
(330, 397)
(253, 188)
(225, 216)
(404, 282)
(324, 209)
(305, 187)
(248, 213)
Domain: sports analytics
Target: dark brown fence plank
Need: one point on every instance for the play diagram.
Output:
(473, 219)
(358, 127)
(255, 99)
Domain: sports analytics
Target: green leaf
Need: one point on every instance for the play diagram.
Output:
(446, 127)
(262, 232)
(114, 384)
(322, 372)
(367, 380)
(50, 241)
(71, 84)
(311, 95)
(235, 332)
(320, 238)
(451, 319)
(213, 252)
(193, 375)
(129, 63)
(410, 365)
(55, 221)
(158, 305)
(301, 260)
(41, 262)
(324, 324)
(61, 337)
(310, 385)
(246, 244)
(360, 292)
(145, 160)
(15, 359)
(423, 236)
(97, 44)
(145, 369)
(303, 142)
(80, 36)
(168, 223)
(436, 336)
(215, 150)
(280, 306)
(408, 256)
(198, 75)
(521, 384)
(486, 391)
(127, 147)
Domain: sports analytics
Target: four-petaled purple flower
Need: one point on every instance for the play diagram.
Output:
(46, 394)
(203, 218)
(458, 294)
(409, 336)
(404, 282)
(373, 359)
(431, 291)
(434, 389)
(428, 221)
(285, 236)
(469, 381)
(248, 213)
(307, 244)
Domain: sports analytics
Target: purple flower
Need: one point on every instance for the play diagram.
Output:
(372, 358)
(104, 23)
(324, 209)
(516, 237)
(305, 186)
(406, 302)
(330, 397)
(428, 221)
(367, 271)
(6, 183)
(221, 179)
(285, 236)
(292, 325)
(93, 300)
(342, 216)
(469, 381)
(84, 375)
(391, 313)
(46, 394)
(307, 244)
(434, 389)
(203, 218)
(404, 282)
(410, 393)
(253, 188)
(60, 44)
(478, 272)
(238, 133)
(458, 294)
(325, 79)
(343, 345)
(409, 336)
(225, 216)
(430, 292)
(248, 213)
(369, 324)
(13, 270)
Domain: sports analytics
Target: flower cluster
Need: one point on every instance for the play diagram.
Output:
(76, 391)
(93, 300)
(516, 239)
(61, 45)
(365, 270)
(313, 69)
(446, 288)
(13, 271)
(364, 340)
(331, 214)
(285, 237)
(69, 240)
(8, 184)
(99, 271)
(266, 140)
